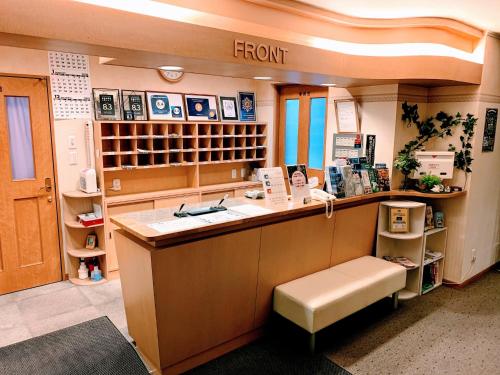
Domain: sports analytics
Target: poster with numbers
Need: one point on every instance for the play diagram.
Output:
(70, 85)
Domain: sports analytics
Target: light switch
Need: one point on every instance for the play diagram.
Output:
(71, 142)
(243, 172)
(233, 173)
(73, 159)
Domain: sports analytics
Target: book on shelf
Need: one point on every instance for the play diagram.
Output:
(430, 276)
(403, 261)
(431, 256)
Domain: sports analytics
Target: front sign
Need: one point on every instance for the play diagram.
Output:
(260, 52)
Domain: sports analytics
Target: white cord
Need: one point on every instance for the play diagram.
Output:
(329, 214)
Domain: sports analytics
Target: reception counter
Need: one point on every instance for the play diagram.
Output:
(196, 292)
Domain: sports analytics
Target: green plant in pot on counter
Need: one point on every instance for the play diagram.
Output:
(428, 182)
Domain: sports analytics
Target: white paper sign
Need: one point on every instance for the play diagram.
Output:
(177, 225)
(70, 85)
(274, 185)
(251, 210)
(347, 117)
(220, 217)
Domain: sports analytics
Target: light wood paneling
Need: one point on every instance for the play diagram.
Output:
(154, 179)
(29, 240)
(138, 295)
(176, 201)
(205, 293)
(288, 251)
(111, 256)
(354, 234)
(207, 197)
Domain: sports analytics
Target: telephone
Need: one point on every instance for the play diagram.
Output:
(323, 196)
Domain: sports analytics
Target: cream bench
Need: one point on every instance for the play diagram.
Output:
(315, 301)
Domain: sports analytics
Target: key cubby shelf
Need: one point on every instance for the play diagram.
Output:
(132, 145)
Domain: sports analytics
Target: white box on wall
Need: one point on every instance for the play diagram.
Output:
(437, 163)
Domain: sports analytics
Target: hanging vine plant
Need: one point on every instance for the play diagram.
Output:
(463, 158)
(427, 129)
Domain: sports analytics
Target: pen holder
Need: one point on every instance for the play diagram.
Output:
(181, 214)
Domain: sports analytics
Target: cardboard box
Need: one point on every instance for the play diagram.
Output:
(399, 220)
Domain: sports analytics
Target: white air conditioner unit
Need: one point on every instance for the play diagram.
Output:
(437, 163)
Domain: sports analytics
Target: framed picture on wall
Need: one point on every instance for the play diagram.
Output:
(228, 108)
(165, 106)
(134, 105)
(247, 106)
(346, 112)
(201, 107)
(106, 104)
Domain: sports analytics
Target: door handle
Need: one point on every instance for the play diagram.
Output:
(48, 185)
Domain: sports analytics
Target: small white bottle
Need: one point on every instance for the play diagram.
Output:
(83, 271)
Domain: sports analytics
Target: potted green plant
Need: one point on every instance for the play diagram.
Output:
(407, 164)
(427, 130)
(428, 182)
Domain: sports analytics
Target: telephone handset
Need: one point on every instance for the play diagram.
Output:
(323, 196)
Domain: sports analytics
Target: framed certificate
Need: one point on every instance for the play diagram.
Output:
(134, 105)
(106, 104)
(165, 106)
(201, 107)
(228, 108)
(246, 104)
(346, 112)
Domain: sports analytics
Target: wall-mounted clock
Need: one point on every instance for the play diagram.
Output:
(171, 75)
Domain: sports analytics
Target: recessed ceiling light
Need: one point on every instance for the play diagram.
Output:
(263, 78)
(171, 68)
(329, 84)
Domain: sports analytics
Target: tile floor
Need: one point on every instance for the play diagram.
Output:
(448, 331)
(37, 311)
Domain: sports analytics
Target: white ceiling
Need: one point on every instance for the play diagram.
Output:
(484, 14)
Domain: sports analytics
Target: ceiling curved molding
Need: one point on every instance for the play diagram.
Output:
(314, 12)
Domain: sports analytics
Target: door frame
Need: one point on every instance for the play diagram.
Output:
(280, 126)
(64, 275)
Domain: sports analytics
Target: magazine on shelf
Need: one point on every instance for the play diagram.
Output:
(403, 261)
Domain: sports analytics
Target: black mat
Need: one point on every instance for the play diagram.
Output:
(270, 356)
(95, 347)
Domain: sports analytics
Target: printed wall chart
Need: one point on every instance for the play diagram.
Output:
(70, 85)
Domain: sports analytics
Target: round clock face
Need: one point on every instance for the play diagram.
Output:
(171, 76)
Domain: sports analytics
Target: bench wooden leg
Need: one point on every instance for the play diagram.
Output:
(312, 343)
(395, 297)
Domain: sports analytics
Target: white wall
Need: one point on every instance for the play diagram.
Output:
(35, 62)
(377, 114)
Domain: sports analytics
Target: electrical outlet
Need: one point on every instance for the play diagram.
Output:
(233, 173)
(73, 159)
(243, 172)
(473, 259)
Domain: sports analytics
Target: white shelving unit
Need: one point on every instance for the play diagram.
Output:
(74, 203)
(434, 240)
(412, 245)
(409, 245)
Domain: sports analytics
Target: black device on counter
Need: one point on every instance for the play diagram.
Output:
(205, 210)
(201, 210)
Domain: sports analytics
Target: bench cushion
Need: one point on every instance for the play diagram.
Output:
(322, 298)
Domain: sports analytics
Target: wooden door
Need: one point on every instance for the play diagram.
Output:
(29, 237)
(302, 128)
